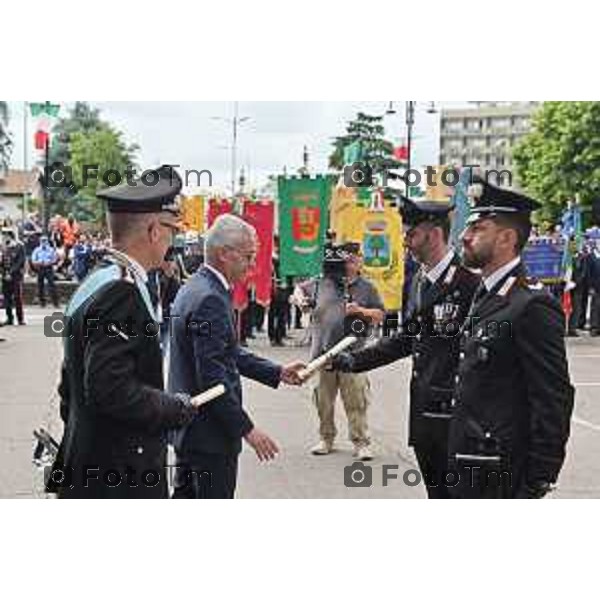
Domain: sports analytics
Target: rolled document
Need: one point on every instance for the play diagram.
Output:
(208, 395)
(319, 362)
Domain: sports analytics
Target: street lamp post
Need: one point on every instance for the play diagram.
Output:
(410, 122)
(236, 122)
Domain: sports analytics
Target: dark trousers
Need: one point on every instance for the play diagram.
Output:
(12, 290)
(46, 274)
(581, 300)
(259, 316)
(595, 314)
(206, 476)
(433, 464)
(277, 321)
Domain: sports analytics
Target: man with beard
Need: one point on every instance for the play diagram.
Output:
(513, 396)
(438, 303)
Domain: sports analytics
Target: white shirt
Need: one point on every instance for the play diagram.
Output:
(491, 280)
(436, 272)
(219, 276)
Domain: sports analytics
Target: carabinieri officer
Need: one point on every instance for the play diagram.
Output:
(513, 398)
(114, 409)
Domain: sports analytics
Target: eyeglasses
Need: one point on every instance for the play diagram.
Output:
(174, 227)
(249, 256)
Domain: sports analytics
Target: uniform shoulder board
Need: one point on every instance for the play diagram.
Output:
(126, 275)
(507, 286)
(450, 275)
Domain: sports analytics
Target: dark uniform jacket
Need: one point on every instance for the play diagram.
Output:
(431, 335)
(205, 352)
(13, 261)
(514, 398)
(114, 409)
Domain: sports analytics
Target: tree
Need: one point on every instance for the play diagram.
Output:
(366, 133)
(5, 138)
(84, 120)
(104, 149)
(560, 158)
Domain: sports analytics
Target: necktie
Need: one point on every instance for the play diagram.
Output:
(480, 292)
(423, 287)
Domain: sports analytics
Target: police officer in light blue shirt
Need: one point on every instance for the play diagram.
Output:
(43, 259)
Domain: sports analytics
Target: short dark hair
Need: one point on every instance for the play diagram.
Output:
(520, 224)
(443, 224)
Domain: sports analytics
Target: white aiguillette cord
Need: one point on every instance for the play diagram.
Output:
(208, 395)
(322, 360)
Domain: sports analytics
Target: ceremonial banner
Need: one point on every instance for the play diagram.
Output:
(302, 224)
(460, 200)
(379, 232)
(261, 215)
(193, 213)
(543, 260)
(217, 207)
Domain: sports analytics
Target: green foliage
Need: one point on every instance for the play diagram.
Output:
(560, 158)
(84, 138)
(368, 132)
(105, 150)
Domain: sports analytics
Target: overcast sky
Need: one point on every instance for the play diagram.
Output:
(198, 135)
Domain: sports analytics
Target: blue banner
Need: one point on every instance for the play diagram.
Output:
(543, 259)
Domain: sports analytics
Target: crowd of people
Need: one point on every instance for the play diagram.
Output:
(474, 393)
(65, 252)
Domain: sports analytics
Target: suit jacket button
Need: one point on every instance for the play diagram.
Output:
(457, 379)
(461, 356)
(140, 450)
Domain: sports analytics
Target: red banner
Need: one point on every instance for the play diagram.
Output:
(41, 139)
(217, 207)
(261, 215)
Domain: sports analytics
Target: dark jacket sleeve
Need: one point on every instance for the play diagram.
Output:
(541, 347)
(214, 365)
(19, 262)
(260, 369)
(111, 383)
(385, 351)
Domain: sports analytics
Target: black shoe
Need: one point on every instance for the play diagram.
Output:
(572, 334)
